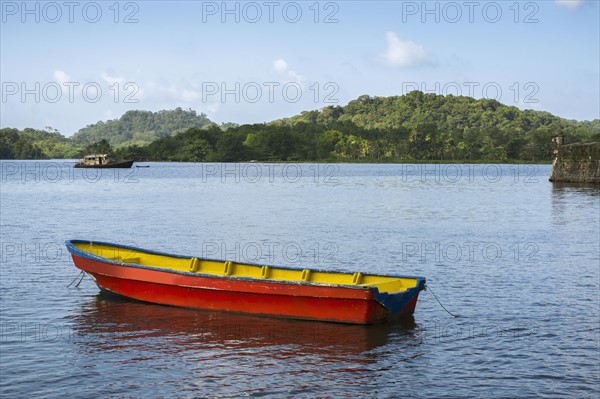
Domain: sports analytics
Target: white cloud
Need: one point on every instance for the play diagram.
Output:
(61, 77)
(569, 3)
(282, 67)
(402, 53)
(112, 79)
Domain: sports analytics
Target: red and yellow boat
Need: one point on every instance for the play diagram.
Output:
(145, 275)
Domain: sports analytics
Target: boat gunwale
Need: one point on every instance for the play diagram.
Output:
(88, 255)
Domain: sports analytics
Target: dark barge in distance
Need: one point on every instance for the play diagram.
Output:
(102, 161)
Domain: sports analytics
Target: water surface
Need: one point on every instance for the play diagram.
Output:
(514, 255)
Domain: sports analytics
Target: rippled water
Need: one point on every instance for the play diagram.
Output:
(514, 255)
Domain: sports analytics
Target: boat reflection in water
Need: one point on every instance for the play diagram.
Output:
(198, 353)
(111, 322)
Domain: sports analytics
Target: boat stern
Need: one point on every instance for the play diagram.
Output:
(401, 303)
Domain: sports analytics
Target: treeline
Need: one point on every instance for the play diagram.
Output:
(133, 128)
(35, 144)
(413, 127)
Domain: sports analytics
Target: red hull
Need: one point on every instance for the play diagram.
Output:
(328, 303)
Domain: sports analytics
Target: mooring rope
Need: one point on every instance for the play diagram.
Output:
(427, 288)
(80, 276)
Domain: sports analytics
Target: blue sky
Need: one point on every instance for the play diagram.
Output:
(68, 65)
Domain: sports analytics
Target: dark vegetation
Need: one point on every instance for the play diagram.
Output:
(415, 127)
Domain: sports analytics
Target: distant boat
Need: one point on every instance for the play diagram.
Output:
(156, 277)
(101, 161)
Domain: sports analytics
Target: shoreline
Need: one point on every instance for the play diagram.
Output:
(325, 161)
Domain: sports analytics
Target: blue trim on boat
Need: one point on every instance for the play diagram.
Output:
(392, 301)
(396, 303)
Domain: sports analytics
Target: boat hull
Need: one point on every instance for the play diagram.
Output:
(274, 298)
(111, 165)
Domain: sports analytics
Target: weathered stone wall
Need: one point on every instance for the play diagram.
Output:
(577, 163)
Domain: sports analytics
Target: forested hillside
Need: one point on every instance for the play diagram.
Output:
(140, 127)
(430, 126)
(35, 144)
(414, 127)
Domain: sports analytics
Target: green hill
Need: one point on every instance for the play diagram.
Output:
(140, 127)
(414, 127)
(35, 144)
(429, 126)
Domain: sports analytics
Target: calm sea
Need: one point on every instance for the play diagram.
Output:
(515, 256)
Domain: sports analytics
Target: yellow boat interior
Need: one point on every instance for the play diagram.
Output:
(384, 284)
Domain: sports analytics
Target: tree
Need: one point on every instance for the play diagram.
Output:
(101, 147)
(8, 139)
(196, 151)
(230, 147)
